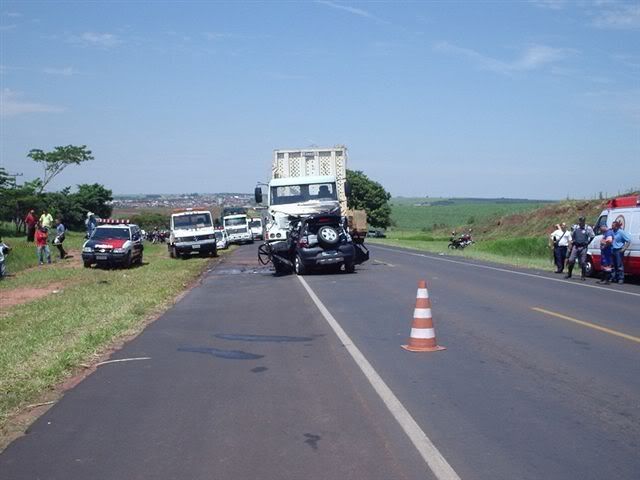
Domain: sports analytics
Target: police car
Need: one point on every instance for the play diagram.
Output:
(114, 242)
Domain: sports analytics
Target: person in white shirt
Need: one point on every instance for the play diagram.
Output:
(560, 238)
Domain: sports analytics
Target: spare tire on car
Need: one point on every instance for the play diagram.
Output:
(328, 236)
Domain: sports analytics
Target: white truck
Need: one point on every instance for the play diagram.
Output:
(255, 224)
(304, 181)
(310, 181)
(192, 232)
(237, 227)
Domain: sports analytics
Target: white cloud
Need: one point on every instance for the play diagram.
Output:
(619, 17)
(352, 10)
(65, 71)
(11, 104)
(550, 4)
(103, 40)
(217, 35)
(533, 57)
(615, 102)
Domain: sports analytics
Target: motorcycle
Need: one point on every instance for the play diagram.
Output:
(461, 242)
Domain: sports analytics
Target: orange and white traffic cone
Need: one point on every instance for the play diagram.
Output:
(423, 335)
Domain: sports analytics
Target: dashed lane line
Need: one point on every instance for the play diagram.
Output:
(427, 450)
(587, 324)
(476, 265)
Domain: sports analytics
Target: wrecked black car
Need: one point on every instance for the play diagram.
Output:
(318, 241)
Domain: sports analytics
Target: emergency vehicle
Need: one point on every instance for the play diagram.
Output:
(113, 242)
(625, 210)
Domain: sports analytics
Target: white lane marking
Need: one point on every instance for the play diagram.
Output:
(568, 282)
(123, 360)
(423, 333)
(427, 450)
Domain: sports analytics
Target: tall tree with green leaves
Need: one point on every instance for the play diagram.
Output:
(57, 160)
(370, 196)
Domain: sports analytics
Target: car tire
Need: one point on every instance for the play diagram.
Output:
(86, 264)
(328, 236)
(139, 261)
(588, 268)
(299, 267)
(127, 262)
(349, 267)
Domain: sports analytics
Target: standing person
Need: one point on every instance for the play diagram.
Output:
(4, 249)
(581, 236)
(46, 220)
(605, 254)
(560, 239)
(91, 223)
(42, 247)
(621, 241)
(60, 231)
(31, 221)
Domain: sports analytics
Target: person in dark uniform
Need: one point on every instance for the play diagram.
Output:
(581, 236)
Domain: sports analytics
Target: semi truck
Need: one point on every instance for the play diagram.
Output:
(307, 182)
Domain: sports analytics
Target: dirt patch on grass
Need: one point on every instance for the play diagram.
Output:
(19, 296)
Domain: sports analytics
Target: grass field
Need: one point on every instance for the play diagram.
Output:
(74, 314)
(438, 214)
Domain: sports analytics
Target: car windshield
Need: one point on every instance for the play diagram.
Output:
(104, 233)
(196, 220)
(302, 193)
(218, 235)
(255, 224)
(235, 222)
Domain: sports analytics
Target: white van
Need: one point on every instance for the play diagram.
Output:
(255, 224)
(625, 210)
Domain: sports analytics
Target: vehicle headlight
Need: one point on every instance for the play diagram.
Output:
(87, 250)
(119, 250)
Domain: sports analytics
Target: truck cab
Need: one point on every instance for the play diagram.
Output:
(298, 196)
(237, 227)
(192, 232)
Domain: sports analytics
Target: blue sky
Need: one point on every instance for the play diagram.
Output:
(537, 99)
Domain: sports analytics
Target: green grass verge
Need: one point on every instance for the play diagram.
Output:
(43, 341)
(520, 252)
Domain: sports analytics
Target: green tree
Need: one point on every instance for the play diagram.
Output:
(95, 198)
(370, 196)
(57, 160)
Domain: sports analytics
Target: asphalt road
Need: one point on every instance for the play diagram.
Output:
(247, 379)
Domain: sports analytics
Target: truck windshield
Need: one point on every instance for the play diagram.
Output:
(104, 233)
(303, 193)
(235, 222)
(255, 224)
(196, 220)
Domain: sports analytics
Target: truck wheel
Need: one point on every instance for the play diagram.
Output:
(299, 266)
